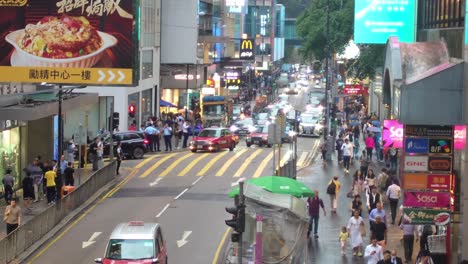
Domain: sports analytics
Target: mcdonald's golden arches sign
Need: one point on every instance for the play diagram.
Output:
(246, 49)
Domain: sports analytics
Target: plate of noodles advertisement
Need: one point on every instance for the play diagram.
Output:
(68, 41)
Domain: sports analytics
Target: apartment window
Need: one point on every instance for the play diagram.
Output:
(148, 23)
(440, 14)
(146, 64)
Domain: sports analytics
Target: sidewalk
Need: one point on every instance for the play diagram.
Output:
(40, 206)
(325, 249)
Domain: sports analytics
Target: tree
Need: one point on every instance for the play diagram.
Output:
(365, 66)
(312, 27)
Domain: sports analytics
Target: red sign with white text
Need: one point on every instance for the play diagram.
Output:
(353, 89)
(438, 182)
(427, 199)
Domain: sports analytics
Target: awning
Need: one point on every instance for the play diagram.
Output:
(163, 103)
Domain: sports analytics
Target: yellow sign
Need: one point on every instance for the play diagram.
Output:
(13, 2)
(246, 44)
(97, 76)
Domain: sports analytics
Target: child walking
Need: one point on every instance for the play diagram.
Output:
(344, 240)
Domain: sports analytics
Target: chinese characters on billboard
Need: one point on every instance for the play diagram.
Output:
(67, 41)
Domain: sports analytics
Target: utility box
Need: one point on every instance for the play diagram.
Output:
(274, 134)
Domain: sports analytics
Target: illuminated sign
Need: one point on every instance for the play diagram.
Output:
(232, 75)
(236, 6)
(184, 76)
(459, 136)
(415, 163)
(95, 42)
(392, 134)
(353, 89)
(375, 21)
(233, 84)
(246, 49)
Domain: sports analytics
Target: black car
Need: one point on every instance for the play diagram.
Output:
(134, 144)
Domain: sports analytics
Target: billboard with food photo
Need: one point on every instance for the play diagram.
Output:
(68, 41)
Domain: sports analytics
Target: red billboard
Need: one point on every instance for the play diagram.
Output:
(353, 89)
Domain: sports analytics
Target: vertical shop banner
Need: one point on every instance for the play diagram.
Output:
(417, 145)
(247, 51)
(392, 134)
(459, 135)
(68, 41)
(415, 163)
(427, 199)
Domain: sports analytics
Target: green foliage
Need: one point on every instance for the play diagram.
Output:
(371, 57)
(312, 27)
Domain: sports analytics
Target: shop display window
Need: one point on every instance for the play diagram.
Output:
(10, 153)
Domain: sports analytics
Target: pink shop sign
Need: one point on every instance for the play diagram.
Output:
(392, 134)
(427, 199)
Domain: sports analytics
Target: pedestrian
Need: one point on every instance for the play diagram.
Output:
(424, 231)
(386, 258)
(344, 235)
(167, 132)
(63, 164)
(356, 205)
(71, 151)
(119, 156)
(379, 231)
(425, 257)
(333, 190)
(58, 178)
(12, 216)
(382, 179)
(28, 193)
(373, 252)
(370, 144)
(324, 149)
(356, 132)
(364, 166)
(394, 259)
(150, 131)
(409, 234)
(378, 211)
(99, 151)
(393, 195)
(370, 178)
(185, 131)
(373, 198)
(37, 175)
(355, 227)
(177, 134)
(338, 145)
(347, 149)
(50, 177)
(393, 157)
(93, 153)
(314, 205)
(157, 135)
(8, 185)
(358, 182)
(69, 175)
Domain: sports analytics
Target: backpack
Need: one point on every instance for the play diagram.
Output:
(331, 188)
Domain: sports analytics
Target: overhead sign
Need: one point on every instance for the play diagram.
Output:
(425, 181)
(353, 89)
(375, 21)
(233, 84)
(440, 164)
(428, 131)
(419, 216)
(416, 145)
(392, 134)
(68, 42)
(246, 49)
(427, 199)
(415, 163)
(237, 6)
(232, 75)
(443, 146)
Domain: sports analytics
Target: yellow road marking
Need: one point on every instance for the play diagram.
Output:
(220, 246)
(286, 157)
(262, 166)
(302, 159)
(229, 162)
(174, 164)
(247, 163)
(141, 164)
(51, 243)
(157, 164)
(211, 163)
(193, 163)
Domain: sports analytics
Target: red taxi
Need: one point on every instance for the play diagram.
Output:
(135, 242)
(258, 137)
(214, 139)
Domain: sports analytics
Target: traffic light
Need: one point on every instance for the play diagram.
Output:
(115, 120)
(238, 220)
(131, 110)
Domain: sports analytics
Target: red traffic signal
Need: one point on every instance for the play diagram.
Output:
(131, 110)
(238, 218)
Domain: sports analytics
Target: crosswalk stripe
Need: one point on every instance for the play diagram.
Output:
(247, 162)
(211, 163)
(157, 164)
(141, 164)
(262, 165)
(193, 163)
(302, 159)
(286, 157)
(174, 164)
(230, 161)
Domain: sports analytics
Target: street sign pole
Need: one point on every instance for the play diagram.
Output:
(241, 203)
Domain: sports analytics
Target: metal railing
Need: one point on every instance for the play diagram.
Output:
(26, 235)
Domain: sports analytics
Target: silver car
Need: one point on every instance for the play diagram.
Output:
(310, 125)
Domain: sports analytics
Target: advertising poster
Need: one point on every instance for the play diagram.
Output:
(440, 146)
(459, 136)
(415, 181)
(428, 131)
(420, 216)
(376, 20)
(440, 164)
(67, 41)
(438, 182)
(392, 134)
(416, 145)
(416, 163)
(427, 199)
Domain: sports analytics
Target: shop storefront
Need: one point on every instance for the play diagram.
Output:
(10, 149)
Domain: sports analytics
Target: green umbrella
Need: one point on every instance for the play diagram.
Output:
(278, 184)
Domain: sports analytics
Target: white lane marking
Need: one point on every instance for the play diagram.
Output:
(237, 182)
(195, 182)
(286, 157)
(91, 240)
(162, 211)
(180, 194)
(155, 182)
(183, 241)
(302, 159)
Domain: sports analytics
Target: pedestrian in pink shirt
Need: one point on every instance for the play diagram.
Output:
(370, 144)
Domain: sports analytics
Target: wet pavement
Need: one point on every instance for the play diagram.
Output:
(326, 249)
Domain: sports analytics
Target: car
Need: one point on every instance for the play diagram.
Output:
(243, 127)
(261, 118)
(134, 144)
(214, 139)
(258, 137)
(311, 125)
(135, 242)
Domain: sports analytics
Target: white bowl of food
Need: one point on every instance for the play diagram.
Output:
(66, 42)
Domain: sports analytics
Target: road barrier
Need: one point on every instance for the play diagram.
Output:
(26, 235)
(289, 169)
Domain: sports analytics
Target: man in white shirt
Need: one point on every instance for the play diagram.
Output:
(347, 149)
(393, 195)
(373, 252)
